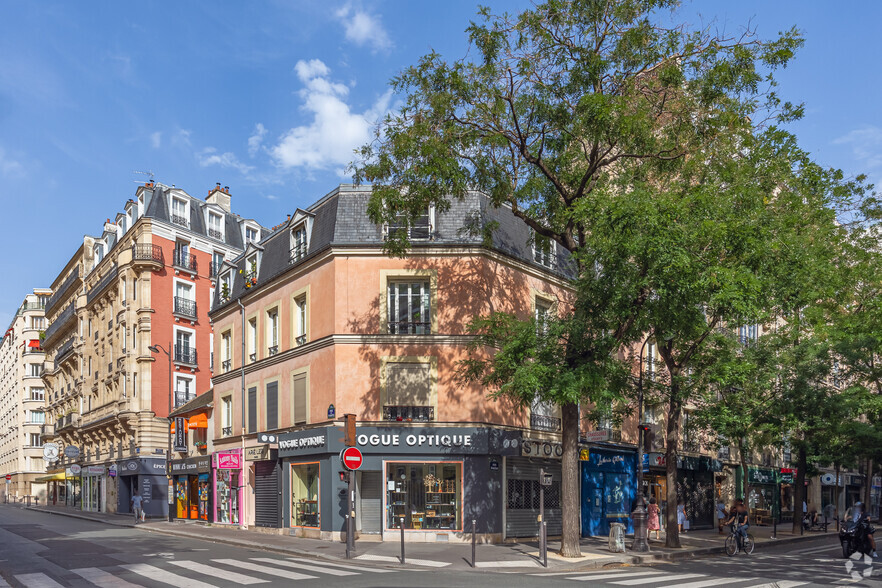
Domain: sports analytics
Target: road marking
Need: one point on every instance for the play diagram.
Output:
(519, 563)
(245, 565)
(103, 579)
(417, 562)
(780, 584)
(160, 575)
(217, 573)
(37, 581)
(640, 581)
(711, 582)
(344, 566)
(815, 549)
(307, 567)
(622, 574)
(3, 583)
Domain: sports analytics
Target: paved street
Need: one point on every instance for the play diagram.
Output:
(39, 550)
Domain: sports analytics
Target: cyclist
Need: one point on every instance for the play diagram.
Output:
(740, 518)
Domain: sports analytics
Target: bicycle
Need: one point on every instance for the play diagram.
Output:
(747, 544)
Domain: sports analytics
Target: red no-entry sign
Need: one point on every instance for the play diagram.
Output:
(9, 476)
(351, 458)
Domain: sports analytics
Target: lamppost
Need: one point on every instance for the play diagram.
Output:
(641, 535)
(168, 454)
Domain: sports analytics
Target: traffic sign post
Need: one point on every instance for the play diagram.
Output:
(351, 459)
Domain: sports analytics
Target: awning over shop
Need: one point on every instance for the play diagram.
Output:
(200, 421)
(173, 426)
(51, 478)
(34, 343)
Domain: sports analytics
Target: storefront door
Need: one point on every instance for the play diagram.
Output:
(370, 507)
(522, 497)
(608, 489)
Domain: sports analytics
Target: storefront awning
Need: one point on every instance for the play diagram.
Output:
(173, 426)
(51, 478)
(34, 343)
(200, 421)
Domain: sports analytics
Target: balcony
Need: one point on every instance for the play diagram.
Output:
(251, 279)
(182, 398)
(185, 307)
(272, 350)
(541, 422)
(409, 413)
(102, 285)
(724, 453)
(226, 365)
(180, 221)
(64, 351)
(66, 318)
(216, 234)
(252, 358)
(148, 254)
(62, 290)
(68, 420)
(214, 268)
(227, 432)
(185, 354)
(185, 261)
(298, 252)
(300, 340)
(47, 430)
(409, 328)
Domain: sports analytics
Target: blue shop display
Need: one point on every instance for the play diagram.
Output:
(608, 490)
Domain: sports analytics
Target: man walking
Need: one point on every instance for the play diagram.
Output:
(136, 506)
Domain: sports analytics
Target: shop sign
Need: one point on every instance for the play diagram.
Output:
(760, 476)
(142, 466)
(94, 470)
(72, 451)
(785, 477)
(192, 465)
(229, 461)
(259, 453)
(311, 441)
(443, 440)
(546, 449)
(180, 434)
(830, 479)
(877, 481)
(146, 490)
(657, 460)
(610, 460)
(75, 469)
(422, 441)
(111, 470)
(494, 465)
(585, 454)
(855, 480)
(597, 436)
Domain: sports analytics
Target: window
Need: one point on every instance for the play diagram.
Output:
(747, 334)
(272, 331)
(36, 417)
(38, 394)
(543, 312)
(99, 253)
(409, 312)
(226, 416)
(36, 370)
(124, 337)
(272, 406)
(179, 212)
(184, 351)
(424, 495)
(543, 250)
(300, 320)
(420, 227)
(298, 243)
(408, 392)
(650, 364)
(134, 288)
(217, 260)
(252, 339)
(134, 385)
(90, 366)
(183, 391)
(300, 399)
(35, 440)
(251, 235)
(226, 351)
(251, 270)
(184, 303)
(215, 226)
(544, 415)
(38, 322)
(226, 286)
(305, 503)
(252, 409)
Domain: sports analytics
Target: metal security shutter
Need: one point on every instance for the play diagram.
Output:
(272, 406)
(252, 410)
(371, 502)
(522, 497)
(266, 494)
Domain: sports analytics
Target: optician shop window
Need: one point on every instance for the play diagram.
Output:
(424, 495)
(305, 507)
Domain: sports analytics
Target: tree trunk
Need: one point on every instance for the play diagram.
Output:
(671, 439)
(836, 501)
(799, 489)
(569, 488)
(869, 485)
(745, 475)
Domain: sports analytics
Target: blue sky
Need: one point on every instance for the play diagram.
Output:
(269, 98)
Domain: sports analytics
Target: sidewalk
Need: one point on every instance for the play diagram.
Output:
(514, 556)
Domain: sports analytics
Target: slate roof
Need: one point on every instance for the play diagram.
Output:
(341, 220)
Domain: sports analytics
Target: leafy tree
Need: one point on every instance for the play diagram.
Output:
(566, 113)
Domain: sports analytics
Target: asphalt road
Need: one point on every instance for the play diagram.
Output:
(39, 550)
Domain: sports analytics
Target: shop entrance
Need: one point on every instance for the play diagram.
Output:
(370, 495)
(522, 497)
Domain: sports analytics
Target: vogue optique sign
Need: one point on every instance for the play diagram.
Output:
(394, 440)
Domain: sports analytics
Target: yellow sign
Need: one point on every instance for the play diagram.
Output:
(584, 455)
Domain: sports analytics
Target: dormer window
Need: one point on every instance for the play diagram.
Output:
(419, 229)
(215, 226)
(226, 286)
(179, 212)
(250, 270)
(252, 235)
(298, 243)
(99, 253)
(543, 250)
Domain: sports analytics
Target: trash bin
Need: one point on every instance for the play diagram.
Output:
(617, 537)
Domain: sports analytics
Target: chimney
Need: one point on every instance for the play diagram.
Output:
(219, 196)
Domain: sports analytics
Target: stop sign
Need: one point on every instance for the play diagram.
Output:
(351, 458)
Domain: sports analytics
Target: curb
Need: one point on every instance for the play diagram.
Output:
(74, 515)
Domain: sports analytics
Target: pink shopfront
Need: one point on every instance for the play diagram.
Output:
(228, 486)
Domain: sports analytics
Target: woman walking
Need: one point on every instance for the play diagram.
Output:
(681, 516)
(653, 513)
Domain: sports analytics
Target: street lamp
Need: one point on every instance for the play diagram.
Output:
(641, 534)
(157, 349)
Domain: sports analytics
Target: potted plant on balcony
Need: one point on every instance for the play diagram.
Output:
(201, 445)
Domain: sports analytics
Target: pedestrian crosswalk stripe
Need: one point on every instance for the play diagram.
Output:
(417, 562)
(639, 581)
(218, 573)
(710, 582)
(345, 567)
(614, 574)
(247, 565)
(780, 584)
(3, 583)
(814, 549)
(307, 567)
(103, 579)
(160, 575)
(37, 581)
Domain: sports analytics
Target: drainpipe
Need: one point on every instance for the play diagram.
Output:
(243, 522)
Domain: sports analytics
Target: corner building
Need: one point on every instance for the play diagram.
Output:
(315, 321)
(130, 339)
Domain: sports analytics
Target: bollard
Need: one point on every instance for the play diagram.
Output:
(775, 528)
(544, 544)
(825, 523)
(474, 538)
(402, 540)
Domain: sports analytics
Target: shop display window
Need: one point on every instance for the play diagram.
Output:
(305, 505)
(227, 496)
(424, 495)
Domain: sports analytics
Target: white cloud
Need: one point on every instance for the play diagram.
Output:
(9, 166)
(866, 146)
(335, 131)
(363, 28)
(209, 156)
(255, 140)
(271, 197)
(156, 139)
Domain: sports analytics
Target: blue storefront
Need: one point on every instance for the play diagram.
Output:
(608, 489)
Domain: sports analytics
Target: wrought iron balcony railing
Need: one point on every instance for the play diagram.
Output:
(214, 268)
(542, 422)
(180, 220)
(184, 260)
(272, 350)
(300, 340)
(226, 431)
(216, 234)
(409, 328)
(408, 413)
(185, 307)
(185, 354)
(298, 252)
(147, 252)
(226, 365)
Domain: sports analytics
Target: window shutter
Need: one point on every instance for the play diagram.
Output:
(252, 410)
(408, 384)
(299, 403)
(272, 406)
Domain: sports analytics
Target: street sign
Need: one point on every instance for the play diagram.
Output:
(111, 470)
(72, 451)
(8, 477)
(75, 469)
(544, 478)
(597, 436)
(351, 458)
(50, 451)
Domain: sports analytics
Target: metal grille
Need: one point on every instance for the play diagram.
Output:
(185, 260)
(185, 354)
(185, 307)
(179, 220)
(146, 252)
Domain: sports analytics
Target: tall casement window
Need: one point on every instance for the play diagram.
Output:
(420, 227)
(184, 391)
(252, 409)
(226, 351)
(543, 250)
(300, 320)
(215, 226)
(408, 306)
(179, 212)
(298, 243)
(747, 334)
(650, 362)
(226, 285)
(226, 416)
(408, 391)
(217, 260)
(252, 235)
(542, 314)
(272, 406)
(272, 332)
(299, 400)
(184, 303)
(252, 339)
(185, 352)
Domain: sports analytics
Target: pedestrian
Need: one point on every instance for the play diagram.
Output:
(721, 514)
(136, 506)
(653, 514)
(681, 516)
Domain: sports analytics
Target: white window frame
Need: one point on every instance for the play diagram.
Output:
(184, 377)
(300, 229)
(226, 350)
(226, 413)
(543, 258)
(186, 330)
(171, 209)
(255, 228)
(220, 224)
(273, 329)
(301, 312)
(42, 393)
(393, 314)
(251, 337)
